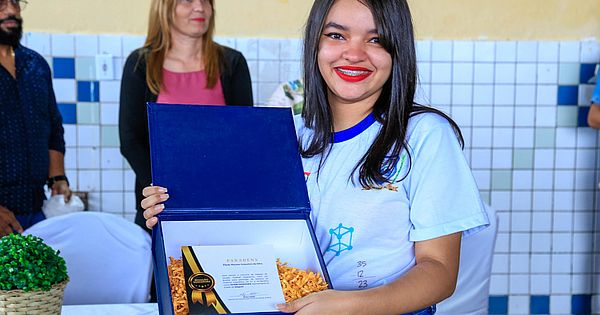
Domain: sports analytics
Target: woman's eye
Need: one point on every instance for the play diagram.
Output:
(334, 36)
(374, 40)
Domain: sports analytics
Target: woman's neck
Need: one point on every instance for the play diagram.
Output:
(185, 54)
(348, 114)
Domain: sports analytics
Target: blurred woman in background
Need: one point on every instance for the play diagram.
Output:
(178, 64)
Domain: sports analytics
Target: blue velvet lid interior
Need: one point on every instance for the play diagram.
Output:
(226, 158)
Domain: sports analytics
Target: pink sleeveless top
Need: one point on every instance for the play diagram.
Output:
(189, 88)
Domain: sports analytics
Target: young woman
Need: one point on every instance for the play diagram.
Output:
(382, 168)
(179, 63)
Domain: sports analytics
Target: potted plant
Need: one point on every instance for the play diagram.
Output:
(32, 276)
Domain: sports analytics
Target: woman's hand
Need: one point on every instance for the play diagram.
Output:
(324, 302)
(152, 204)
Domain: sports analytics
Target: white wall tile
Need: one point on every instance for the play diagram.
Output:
(70, 135)
(248, 47)
(268, 71)
(548, 51)
(524, 117)
(441, 94)
(110, 44)
(131, 43)
(547, 95)
(586, 138)
(268, 49)
(521, 200)
(462, 115)
(541, 221)
(483, 94)
(422, 94)
(542, 200)
(40, 42)
(565, 158)
(563, 200)
(129, 180)
(483, 73)
(520, 221)
(291, 49)
(518, 304)
(118, 63)
(504, 94)
(590, 52)
(545, 116)
(519, 263)
(561, 263)
(547, 73)
(582, 242)
(88, 135)
(499, 284)
(525, 95)
(569, 51)
(89, 181)
(520, 242)
(71, 159)
(112, 180)
(527, 51)
(463, 51)
(482, 178)
(482, 137)
(112, 202)
(502, 138)
(88, 158)
(110, 91)
(485, 51)
(518, 284)
(109, 113)
(526, 73)
(86, 45)
(441, 50)
(225, 41)
(503, 116)
(505, 73)
(423, 48)
(481, 158)
(500, 264)
(585, 180)
(584, 200)
(441, 72)
(542, 179)
(566, 137)
(560, 304)
(582, 284)
(482, 116)
(540, 284)
(462, 73)
(462, 94)
(562, 222)
(523, 138)
(506, 51)
(290, 70)
(502, 243)
(541, 244)
(64, 90)
(424, 72)
(501, 158)
(265, 90)
(583, 221)
(111, 158)
(63, 45)
(585, 94)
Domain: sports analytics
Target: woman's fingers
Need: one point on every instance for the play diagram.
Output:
(151, 222)
(153, 211)
(153, 190)
(153, 200)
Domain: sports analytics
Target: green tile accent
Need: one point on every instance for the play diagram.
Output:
(110, 136)
(568, 73)
(501, 180)
(88, 113)
(566, 116)
(523, 159)
(545, 137)
(85, 68)
(485, 196)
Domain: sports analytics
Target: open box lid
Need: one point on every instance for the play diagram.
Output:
(226, 158)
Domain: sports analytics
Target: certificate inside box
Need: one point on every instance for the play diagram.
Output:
(231, 279)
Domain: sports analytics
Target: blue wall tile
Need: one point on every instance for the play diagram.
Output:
(582, 116)
(539, 304)
(68, 113)
(581, 304)
(88, 91)
(586, 72)
(568, 95)
(498, 305)
(63, 68)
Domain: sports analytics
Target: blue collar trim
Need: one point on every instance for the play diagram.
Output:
(355, 130)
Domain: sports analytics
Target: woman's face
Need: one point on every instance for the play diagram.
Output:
(352, 62)
(192, 17)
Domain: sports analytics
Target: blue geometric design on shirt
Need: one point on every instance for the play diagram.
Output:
(343, 239)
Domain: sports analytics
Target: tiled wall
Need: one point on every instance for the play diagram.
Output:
(522, 107)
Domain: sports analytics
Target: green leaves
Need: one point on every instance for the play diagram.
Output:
(27, 263)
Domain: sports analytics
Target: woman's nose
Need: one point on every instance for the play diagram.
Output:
(355, 52)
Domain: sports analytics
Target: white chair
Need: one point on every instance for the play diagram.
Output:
(109, 259)
(473, 284)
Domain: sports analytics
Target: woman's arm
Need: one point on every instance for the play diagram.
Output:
(431, 280)
(238, 91)
(133, 121)
(594, 116)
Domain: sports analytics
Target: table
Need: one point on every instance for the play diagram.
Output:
(106, 309)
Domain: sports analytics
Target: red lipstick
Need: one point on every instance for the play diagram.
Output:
(199, 20)
(352, 73)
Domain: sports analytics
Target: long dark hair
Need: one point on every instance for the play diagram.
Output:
(394, 106)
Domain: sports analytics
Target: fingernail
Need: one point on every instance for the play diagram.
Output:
(159, 207)
(162, 190)
(164, 197)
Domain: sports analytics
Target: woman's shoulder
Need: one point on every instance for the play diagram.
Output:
(136, 60)
(230, 55)
(423, 123)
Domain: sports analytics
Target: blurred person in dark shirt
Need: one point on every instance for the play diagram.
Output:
(32, 146)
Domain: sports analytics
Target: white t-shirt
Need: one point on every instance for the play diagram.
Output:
(367, 236)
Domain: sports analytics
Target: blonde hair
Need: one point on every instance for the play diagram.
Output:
(158, 42)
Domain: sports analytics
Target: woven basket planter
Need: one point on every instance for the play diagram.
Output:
(19, 302)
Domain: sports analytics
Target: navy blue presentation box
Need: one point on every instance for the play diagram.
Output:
(235, 177)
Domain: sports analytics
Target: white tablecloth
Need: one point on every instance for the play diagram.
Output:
(111, 309)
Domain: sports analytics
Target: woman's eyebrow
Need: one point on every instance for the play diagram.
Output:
(345, 28)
